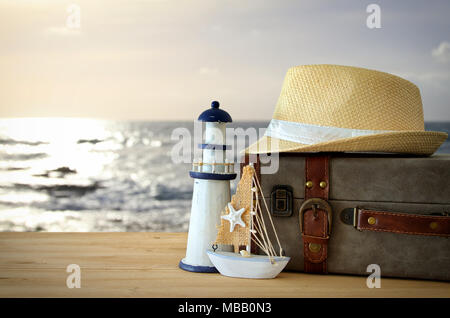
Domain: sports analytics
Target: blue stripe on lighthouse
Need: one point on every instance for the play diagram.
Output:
(212, 176)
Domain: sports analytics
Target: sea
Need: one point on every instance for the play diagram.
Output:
(88, 175)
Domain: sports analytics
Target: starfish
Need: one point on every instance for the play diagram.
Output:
(234, 217)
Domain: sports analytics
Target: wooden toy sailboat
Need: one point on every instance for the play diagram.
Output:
(241, 225)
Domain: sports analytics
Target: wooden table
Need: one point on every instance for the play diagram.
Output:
(146, 265)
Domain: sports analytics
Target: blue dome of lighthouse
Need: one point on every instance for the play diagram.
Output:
(214, 114)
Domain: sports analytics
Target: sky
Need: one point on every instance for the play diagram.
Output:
(167, 60)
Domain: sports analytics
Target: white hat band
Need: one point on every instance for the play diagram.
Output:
(312, 134)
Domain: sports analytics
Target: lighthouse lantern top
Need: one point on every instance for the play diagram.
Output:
(214, 114)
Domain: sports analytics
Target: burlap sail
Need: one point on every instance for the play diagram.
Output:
(242, 199)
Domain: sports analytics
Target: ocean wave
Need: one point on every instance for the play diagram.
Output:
(18, 219)
(9, 141)
(121, 195)
(13, 168)
(22, 156)
(162, 192)
(58, 190)
(89, 141)
(60, 172)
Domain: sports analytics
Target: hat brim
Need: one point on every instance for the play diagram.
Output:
(411, 142)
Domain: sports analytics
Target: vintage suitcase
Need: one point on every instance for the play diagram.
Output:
(339, 213)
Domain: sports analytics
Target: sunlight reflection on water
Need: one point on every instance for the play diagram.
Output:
(90, 168)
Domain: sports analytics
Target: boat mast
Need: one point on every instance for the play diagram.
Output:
(249, 244)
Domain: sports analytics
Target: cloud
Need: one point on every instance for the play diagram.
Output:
(442, 53)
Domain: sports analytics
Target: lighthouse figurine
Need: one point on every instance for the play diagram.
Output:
(212, 175)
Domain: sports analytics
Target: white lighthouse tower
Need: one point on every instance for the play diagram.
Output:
(212, 175)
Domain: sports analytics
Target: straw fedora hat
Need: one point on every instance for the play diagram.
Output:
(347, 109)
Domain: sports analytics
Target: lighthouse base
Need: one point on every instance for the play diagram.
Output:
(197, 269)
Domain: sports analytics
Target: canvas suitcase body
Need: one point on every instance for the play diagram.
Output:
(388, 210)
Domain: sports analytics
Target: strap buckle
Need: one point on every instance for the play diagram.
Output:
(316, 203)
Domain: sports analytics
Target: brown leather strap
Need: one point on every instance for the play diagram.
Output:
(314, 218)
(317, 171)
(370, 220)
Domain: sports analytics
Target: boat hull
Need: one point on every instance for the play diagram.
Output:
(255, 266)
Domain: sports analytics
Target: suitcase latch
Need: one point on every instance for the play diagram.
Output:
(281, 200)
(316, 203)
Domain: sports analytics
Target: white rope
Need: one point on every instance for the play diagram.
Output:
(265, 234)
(251, 218)
(263, 229)
(268, 213)
(260, 245)
(261, 236)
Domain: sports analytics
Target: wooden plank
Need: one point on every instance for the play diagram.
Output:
(146, 265)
